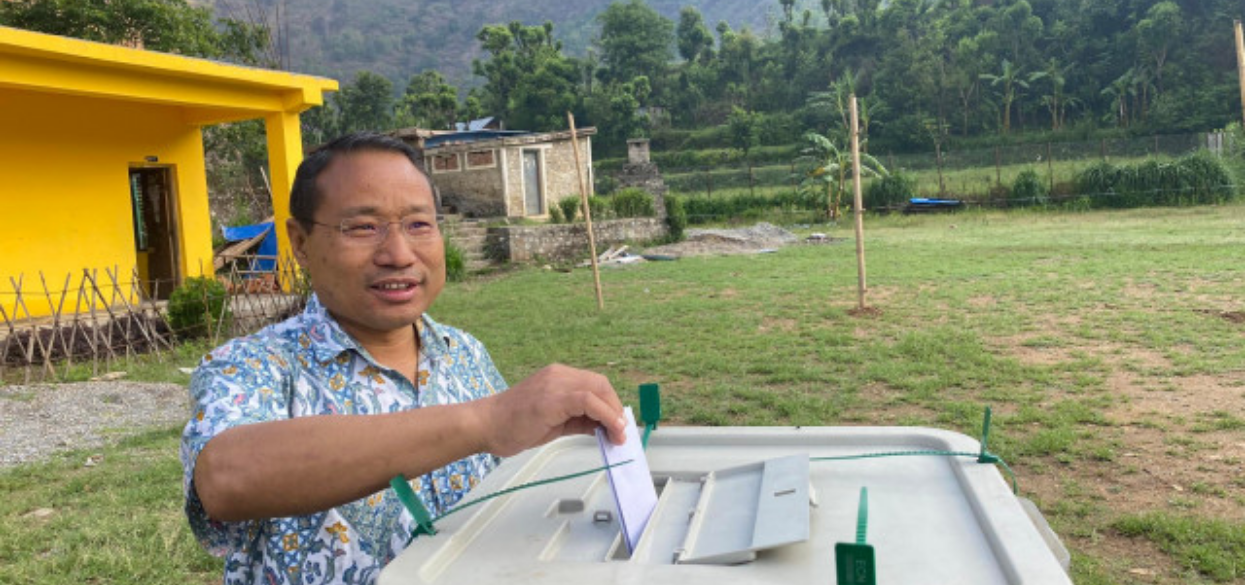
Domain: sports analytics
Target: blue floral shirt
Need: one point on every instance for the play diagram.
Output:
(306, 366)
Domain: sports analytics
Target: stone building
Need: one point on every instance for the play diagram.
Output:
(499, 173)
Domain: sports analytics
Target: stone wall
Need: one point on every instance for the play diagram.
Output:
(473, 192)
(563, 242)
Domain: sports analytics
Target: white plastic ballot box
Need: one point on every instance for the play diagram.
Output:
(746, 505)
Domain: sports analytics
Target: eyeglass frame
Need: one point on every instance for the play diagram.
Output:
(383, 232)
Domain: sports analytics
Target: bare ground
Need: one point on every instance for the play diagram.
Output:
(1169, 453)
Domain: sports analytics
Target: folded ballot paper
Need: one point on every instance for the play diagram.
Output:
(634, 493)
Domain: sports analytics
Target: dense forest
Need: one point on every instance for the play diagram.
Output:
(925, 70)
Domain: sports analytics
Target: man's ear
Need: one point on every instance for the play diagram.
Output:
(298, 239)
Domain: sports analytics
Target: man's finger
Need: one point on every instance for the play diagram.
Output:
(607, 415)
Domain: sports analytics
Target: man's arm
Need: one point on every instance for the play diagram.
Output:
(310, 464)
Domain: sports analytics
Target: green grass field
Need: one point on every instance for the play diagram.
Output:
(1111, 346)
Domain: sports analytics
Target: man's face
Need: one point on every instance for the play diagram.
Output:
(373, 287)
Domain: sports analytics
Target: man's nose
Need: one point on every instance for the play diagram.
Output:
(395, 249)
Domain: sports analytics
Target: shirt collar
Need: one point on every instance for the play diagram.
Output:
(328, 339)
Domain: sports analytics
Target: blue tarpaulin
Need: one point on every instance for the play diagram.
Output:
(267, 251)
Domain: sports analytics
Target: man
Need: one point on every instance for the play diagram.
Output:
(291, 496)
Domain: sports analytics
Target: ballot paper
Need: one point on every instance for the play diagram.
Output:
(634, 493)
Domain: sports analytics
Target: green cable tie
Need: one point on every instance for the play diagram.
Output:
(862, 516)
(648, 429)
(854, 563)
(650, 404)
(986, 456)
(406, 495)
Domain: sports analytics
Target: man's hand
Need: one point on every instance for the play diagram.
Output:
(556, 401)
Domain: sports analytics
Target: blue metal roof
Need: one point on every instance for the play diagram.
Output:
(470, 136)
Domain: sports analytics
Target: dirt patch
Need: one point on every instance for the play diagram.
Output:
(865, 312)
(760, 238)
(771, 324)
(1173, 444)
(1229, 316)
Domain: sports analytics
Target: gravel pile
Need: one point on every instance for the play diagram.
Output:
(39, 420)
(749, 240)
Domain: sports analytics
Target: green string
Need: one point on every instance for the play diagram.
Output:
(425, 522)
(531, 484)
(1000, 461)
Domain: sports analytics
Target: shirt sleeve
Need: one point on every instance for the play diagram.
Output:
(239, 383)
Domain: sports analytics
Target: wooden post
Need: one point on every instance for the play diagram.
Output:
(998, 167)
(1050, 171)
(1240, 65)
(751, 180)
(860, 209)
(583, 200)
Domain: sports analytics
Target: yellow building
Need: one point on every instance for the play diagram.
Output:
(102, 162)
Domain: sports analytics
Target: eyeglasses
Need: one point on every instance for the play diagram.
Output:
(371, 232)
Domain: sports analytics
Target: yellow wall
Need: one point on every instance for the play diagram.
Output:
(64, 187)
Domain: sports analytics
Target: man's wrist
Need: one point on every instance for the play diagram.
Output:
(478, 424)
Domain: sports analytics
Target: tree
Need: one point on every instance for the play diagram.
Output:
(635, 40)
(365, 104)
(171, 26)
(1010, 79)
(1119, 91)
(694, 38)
(826, 163)
(528, 81)
(613, 109)
(429, 102)
(745, 130)
(1156, 33)
(1055, 101)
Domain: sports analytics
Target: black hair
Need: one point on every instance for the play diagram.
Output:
(305, 195)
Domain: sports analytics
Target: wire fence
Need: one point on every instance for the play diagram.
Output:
(49, 329)
(978, 177)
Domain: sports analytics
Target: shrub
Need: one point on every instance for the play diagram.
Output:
(555, 215)
(632, 202)
(889, 192)
(600, 207)
(605, 184)
(1195, 179)
(198, 307)
(707, 209)
(676, 217)
(455, 261)
(570, 208)
(1029, 189)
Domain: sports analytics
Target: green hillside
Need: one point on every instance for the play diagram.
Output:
(398, 38)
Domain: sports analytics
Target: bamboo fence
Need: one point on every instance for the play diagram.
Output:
(93, 320)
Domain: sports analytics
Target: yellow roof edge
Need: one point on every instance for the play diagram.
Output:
(18, 41)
